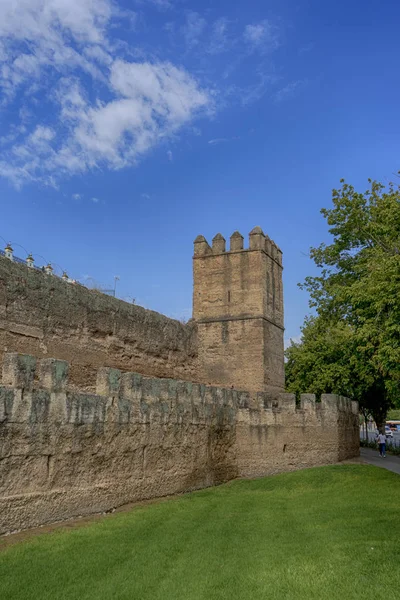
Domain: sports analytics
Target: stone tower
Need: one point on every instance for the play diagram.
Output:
(238, 306)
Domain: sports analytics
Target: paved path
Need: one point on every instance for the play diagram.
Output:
(392, 463)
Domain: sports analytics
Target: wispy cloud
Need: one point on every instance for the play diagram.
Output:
(221, 39)
(217, 141)
(288, 90)
(306, 48)
(193, 28)
(81, 98)
(163, 4)
(137, 104)
(170, 156)
(253, 93)
(264, 35)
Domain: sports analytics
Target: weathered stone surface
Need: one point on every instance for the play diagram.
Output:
(235, 338)
(65, 453)
(238, 308)
(53, 374)
(19, 370)
(45, 316)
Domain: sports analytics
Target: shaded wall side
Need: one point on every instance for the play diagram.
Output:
(44, 316)
(348, 428)
(274, 363)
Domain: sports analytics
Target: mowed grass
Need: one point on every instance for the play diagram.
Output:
(324, 533)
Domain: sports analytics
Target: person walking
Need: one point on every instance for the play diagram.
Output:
(381, 439)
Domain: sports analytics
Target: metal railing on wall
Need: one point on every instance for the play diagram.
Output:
(17, 259)
(48, 269)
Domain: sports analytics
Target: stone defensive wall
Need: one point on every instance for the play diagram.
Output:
(65, 453)
(43, 315)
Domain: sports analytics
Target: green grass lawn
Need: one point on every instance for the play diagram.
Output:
(324, 533)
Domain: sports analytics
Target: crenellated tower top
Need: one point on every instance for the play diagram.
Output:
(257, 241)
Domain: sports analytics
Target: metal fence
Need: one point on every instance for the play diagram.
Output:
(390, 441)
(21, 261)
(16, 259)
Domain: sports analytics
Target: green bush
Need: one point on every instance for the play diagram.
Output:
(369, 444)
(395, 450)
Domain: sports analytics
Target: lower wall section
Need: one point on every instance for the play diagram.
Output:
(286, 438)
(65, 454)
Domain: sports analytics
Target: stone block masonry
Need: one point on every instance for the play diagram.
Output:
(65, 453)
(234, 339)
(83, 434)
(238, 309)
(42, 315)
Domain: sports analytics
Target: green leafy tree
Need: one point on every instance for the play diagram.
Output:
(328, 360)
(356, 298)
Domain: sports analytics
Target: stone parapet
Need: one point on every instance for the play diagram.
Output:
(65, 453)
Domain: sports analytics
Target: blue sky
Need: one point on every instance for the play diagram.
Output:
(128, 128)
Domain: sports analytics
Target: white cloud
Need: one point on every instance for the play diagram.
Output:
(170, 156)
(263, 36)
(81, 98)
(35, 20)
(95, 200)
(134, 105)
(37, 34)
(200, 36)
(76, 196)
(217, 141)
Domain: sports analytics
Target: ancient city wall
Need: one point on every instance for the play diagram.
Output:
(42, 315)
(64, 453)
(235, 337)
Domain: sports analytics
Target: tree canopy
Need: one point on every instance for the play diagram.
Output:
(352, 344)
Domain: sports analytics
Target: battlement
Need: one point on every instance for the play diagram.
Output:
(65, 452)
(29, 378)
(141, 431)
(258, 240)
